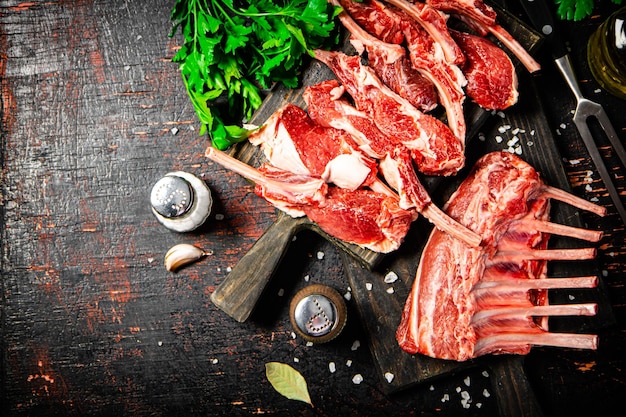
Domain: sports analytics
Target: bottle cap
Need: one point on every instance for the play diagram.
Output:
(318, 313)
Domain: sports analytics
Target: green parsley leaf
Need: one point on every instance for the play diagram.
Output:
(232, 51)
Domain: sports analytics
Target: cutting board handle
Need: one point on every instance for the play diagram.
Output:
(239, 293)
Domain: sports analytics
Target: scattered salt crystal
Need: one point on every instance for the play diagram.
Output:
(355, 345)
(518, 150)
(571, 297)
(486, 393)
(513, 141)
(293, 335)
(160, 343)
(458, 389)
(390, 290)
(307, 278)
(214, 361)
(597, 90)
(348, 296)
(229, 269)
(368, 285)
(558, 132)
(574, 161)
(281, 292)
(485, 374)
(501, 114)
(219, 216)
(466, 381)
(349, 363)
(432, 388)
(150, 260)
(605, 273)
(563, 126)
(320, 255)
(332, 367)
(481, 137)
(465, 395)
(515, 131)
(296, 360)
(478, 405)
(530, 143)
(391, 277)
(532, 132)
(309, 344)
(588, 188)
(357, 379)
(389, 377)
(594, 199)
(445, 398)
(499, 139)
(139, 37)
(174, 130)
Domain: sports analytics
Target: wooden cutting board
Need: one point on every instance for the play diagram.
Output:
(239, 293)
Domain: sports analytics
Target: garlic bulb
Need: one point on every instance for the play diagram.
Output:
(181, 255)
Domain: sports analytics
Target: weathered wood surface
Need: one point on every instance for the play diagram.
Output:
(93, 113)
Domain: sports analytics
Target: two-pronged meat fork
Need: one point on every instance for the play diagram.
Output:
(541, 17)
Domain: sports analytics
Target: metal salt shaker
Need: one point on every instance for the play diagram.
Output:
(318, 313)
(181, 201)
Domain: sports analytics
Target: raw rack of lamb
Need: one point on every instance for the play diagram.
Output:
(471, 301)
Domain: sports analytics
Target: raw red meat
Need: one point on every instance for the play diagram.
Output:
(483, 18)
(390, 63)
(327, 107)
(491, 76)
(434, 148)
(467, 302)
(291, 141)
(363, 217)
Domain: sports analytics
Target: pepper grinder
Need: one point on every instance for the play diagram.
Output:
(181, 201)
(318, 313)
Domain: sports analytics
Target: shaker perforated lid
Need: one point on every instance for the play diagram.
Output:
(318, 313)
(172, 196)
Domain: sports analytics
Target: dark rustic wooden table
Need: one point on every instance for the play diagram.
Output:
(93, 113)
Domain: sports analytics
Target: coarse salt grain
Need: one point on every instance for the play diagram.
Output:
(391, 277)
(458, 389)
(499, 139)
(160, 343)
(445, 398)
(309, 344)
(501, 114)
(432, 388)
(485, 374)
(229, 269)
(332, 367)
(174, 131)
(214, 361)
(467, 381)
(562, 125)
(348, 296)
(355, 345)
(296, 360)
(481, 137)
(349, 363)
(390, 290)
(320, 255)
(307, 278)
(389, 377)
(219, 216)
(293, 335)
(281, 292)
(486, 393)
(357, 379)
(368, 286)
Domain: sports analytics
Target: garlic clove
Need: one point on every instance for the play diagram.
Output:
(181, 255)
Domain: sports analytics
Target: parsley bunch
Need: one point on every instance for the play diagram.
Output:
(235, 49)
(576, 9)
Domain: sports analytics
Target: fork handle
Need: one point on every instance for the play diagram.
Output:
(564, 64)
(540, 16)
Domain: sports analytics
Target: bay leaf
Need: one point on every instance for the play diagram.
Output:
(287, 381)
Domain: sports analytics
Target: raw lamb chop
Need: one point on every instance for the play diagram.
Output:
(327, 107)
(363, 217)
(425, 56)
(467, 302)
(483, 18)
(390, 63)
(491, 76)
(434, 148)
